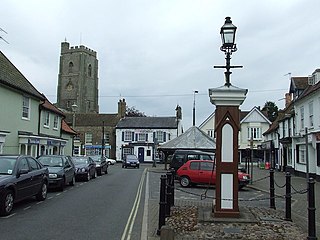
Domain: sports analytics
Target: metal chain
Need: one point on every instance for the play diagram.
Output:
(260, 179)
(279, 185)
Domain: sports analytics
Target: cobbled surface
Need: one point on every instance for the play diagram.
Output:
(270, 226)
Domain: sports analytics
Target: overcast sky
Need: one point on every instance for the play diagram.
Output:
(155, 53)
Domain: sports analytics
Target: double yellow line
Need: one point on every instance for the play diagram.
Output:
(129, 226)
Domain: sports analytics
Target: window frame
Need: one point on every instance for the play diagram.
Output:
(88, 138)
(46, 120)
(25, 107)
(255, 132)
(127, 136)
(311, 121)
(302, 117)
(55, 122)
(160, 136)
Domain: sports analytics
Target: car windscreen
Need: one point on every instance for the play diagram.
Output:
(7, 165)
(131, 158)
(80, 160)
(51, 161)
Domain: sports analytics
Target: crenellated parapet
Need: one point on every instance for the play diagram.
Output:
(65, 49)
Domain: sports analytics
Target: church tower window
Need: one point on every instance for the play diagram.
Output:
(89, 70)
(70, 67)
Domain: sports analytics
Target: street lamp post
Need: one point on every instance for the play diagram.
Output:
(228, 36)
(194, 107)
(227, 100)
(74, 109)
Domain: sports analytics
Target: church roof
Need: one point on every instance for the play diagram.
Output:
(93, 119)
(193, 138)
(148, 122)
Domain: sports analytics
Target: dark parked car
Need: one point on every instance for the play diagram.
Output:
(203, 172)
(101, 164)
(130, 161)
(180, 157)
(61, 170)
(21, 177)
(85, 168)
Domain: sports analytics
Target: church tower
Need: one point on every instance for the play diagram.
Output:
(78, 79)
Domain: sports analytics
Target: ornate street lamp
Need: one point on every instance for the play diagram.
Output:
(227, 100)
(74, 109)
(228, 36)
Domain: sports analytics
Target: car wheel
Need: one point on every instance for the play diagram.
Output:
(109, 163)
(42, 194)
(88, 177)
(6, 203)
(185, 181)
(73, 181)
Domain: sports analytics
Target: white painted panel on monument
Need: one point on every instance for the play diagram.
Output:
(226, 191)
(227, 143)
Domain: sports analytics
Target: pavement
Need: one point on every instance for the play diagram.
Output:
(260, 182)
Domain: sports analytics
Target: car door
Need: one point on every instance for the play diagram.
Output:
(68, 169)
(206, 172)
(24, 180)
(193, 171)
(91, 166)
(36, 173)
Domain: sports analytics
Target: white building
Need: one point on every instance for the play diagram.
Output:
(142, 136)
(253, 124)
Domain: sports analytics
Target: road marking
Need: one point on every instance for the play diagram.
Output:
(144, 230)
(128, 229)
(26, 208)
(9, 216)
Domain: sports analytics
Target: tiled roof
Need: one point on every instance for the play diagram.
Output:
(66, 128)
(298, 83)
(309, 90)
(11, 77)
(49, 106)
(193, 138)
(148, 122)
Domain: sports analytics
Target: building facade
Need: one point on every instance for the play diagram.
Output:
(253, 124)
(96, 133)
(142, 136)
(296, 131)
(78, 79)
(29, 124)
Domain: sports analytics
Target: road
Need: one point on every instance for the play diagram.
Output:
(103, 208)
(110, 207)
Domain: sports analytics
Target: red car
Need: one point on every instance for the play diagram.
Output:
(202, 172)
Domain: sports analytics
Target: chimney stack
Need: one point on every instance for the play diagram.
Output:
(122, 108)
(288, 98)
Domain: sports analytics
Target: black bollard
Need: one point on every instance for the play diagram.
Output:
(162, 203)
(168, 194)
(172, 187)
(311, 211)
(288, 197)
(272, 195)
